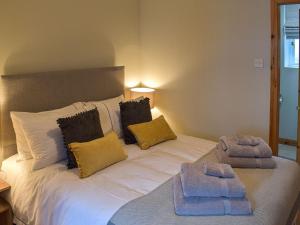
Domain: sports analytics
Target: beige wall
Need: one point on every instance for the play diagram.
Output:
(40, 35)
(200, 55)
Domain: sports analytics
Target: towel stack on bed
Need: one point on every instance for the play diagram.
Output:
(245, 152)
(203, 189)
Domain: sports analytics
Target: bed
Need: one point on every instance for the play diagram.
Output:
(130, 190)
(57, 196)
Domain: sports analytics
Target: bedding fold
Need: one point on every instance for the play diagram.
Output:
(199, 206)
(196, 183)
(243, 162)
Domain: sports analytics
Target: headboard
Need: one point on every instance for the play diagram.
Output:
(50, 90)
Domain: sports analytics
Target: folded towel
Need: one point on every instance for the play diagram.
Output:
(259, 151)
(216, 169)
(196, 183)
(197, 206)
(248, 140)
(233, 149)
(235, 162)
(225, 141)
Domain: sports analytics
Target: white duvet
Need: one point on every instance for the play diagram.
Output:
(56, 196)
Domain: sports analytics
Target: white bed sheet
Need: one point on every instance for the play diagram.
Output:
(56, 196)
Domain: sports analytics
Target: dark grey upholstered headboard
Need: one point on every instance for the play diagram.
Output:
(50, 90)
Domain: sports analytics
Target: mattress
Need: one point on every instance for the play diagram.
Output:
(55, 195)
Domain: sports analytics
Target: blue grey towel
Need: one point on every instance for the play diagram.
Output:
(214, 169)
(235, 162)
(196, 183)
(233, 149)
(197, 206)
(217, 169)
(248, 140)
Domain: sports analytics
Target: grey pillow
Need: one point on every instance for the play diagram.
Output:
(82, 127)
(134, 112)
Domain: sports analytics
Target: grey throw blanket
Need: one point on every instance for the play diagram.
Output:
(233, 149)
(272, 194)
(198, 206)
(235, 162)
(195, 183)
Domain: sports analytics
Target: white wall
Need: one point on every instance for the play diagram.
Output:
(200, 55)
(69, 34)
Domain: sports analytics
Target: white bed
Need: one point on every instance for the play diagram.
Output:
(56, 196)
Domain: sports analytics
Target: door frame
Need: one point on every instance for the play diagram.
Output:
(275, 75)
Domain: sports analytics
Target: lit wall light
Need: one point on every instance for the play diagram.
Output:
(142, 90)
(155, 112)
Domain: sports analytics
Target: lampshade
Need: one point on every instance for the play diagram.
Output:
(144, 91)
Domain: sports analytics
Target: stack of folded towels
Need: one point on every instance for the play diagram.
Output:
(245, 152)
(207, 188)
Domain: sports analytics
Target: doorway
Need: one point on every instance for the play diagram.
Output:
(289, 81)
(284, 114)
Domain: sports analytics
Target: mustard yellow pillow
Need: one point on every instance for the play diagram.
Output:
(152, 133)
(98, 154)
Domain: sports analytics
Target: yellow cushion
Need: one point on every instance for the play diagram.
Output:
(151, 133)
(98, 154)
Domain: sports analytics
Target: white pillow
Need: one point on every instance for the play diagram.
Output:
(109, 111)
(43, 135)
(105, 121)
(113, 107)
(22, 145)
